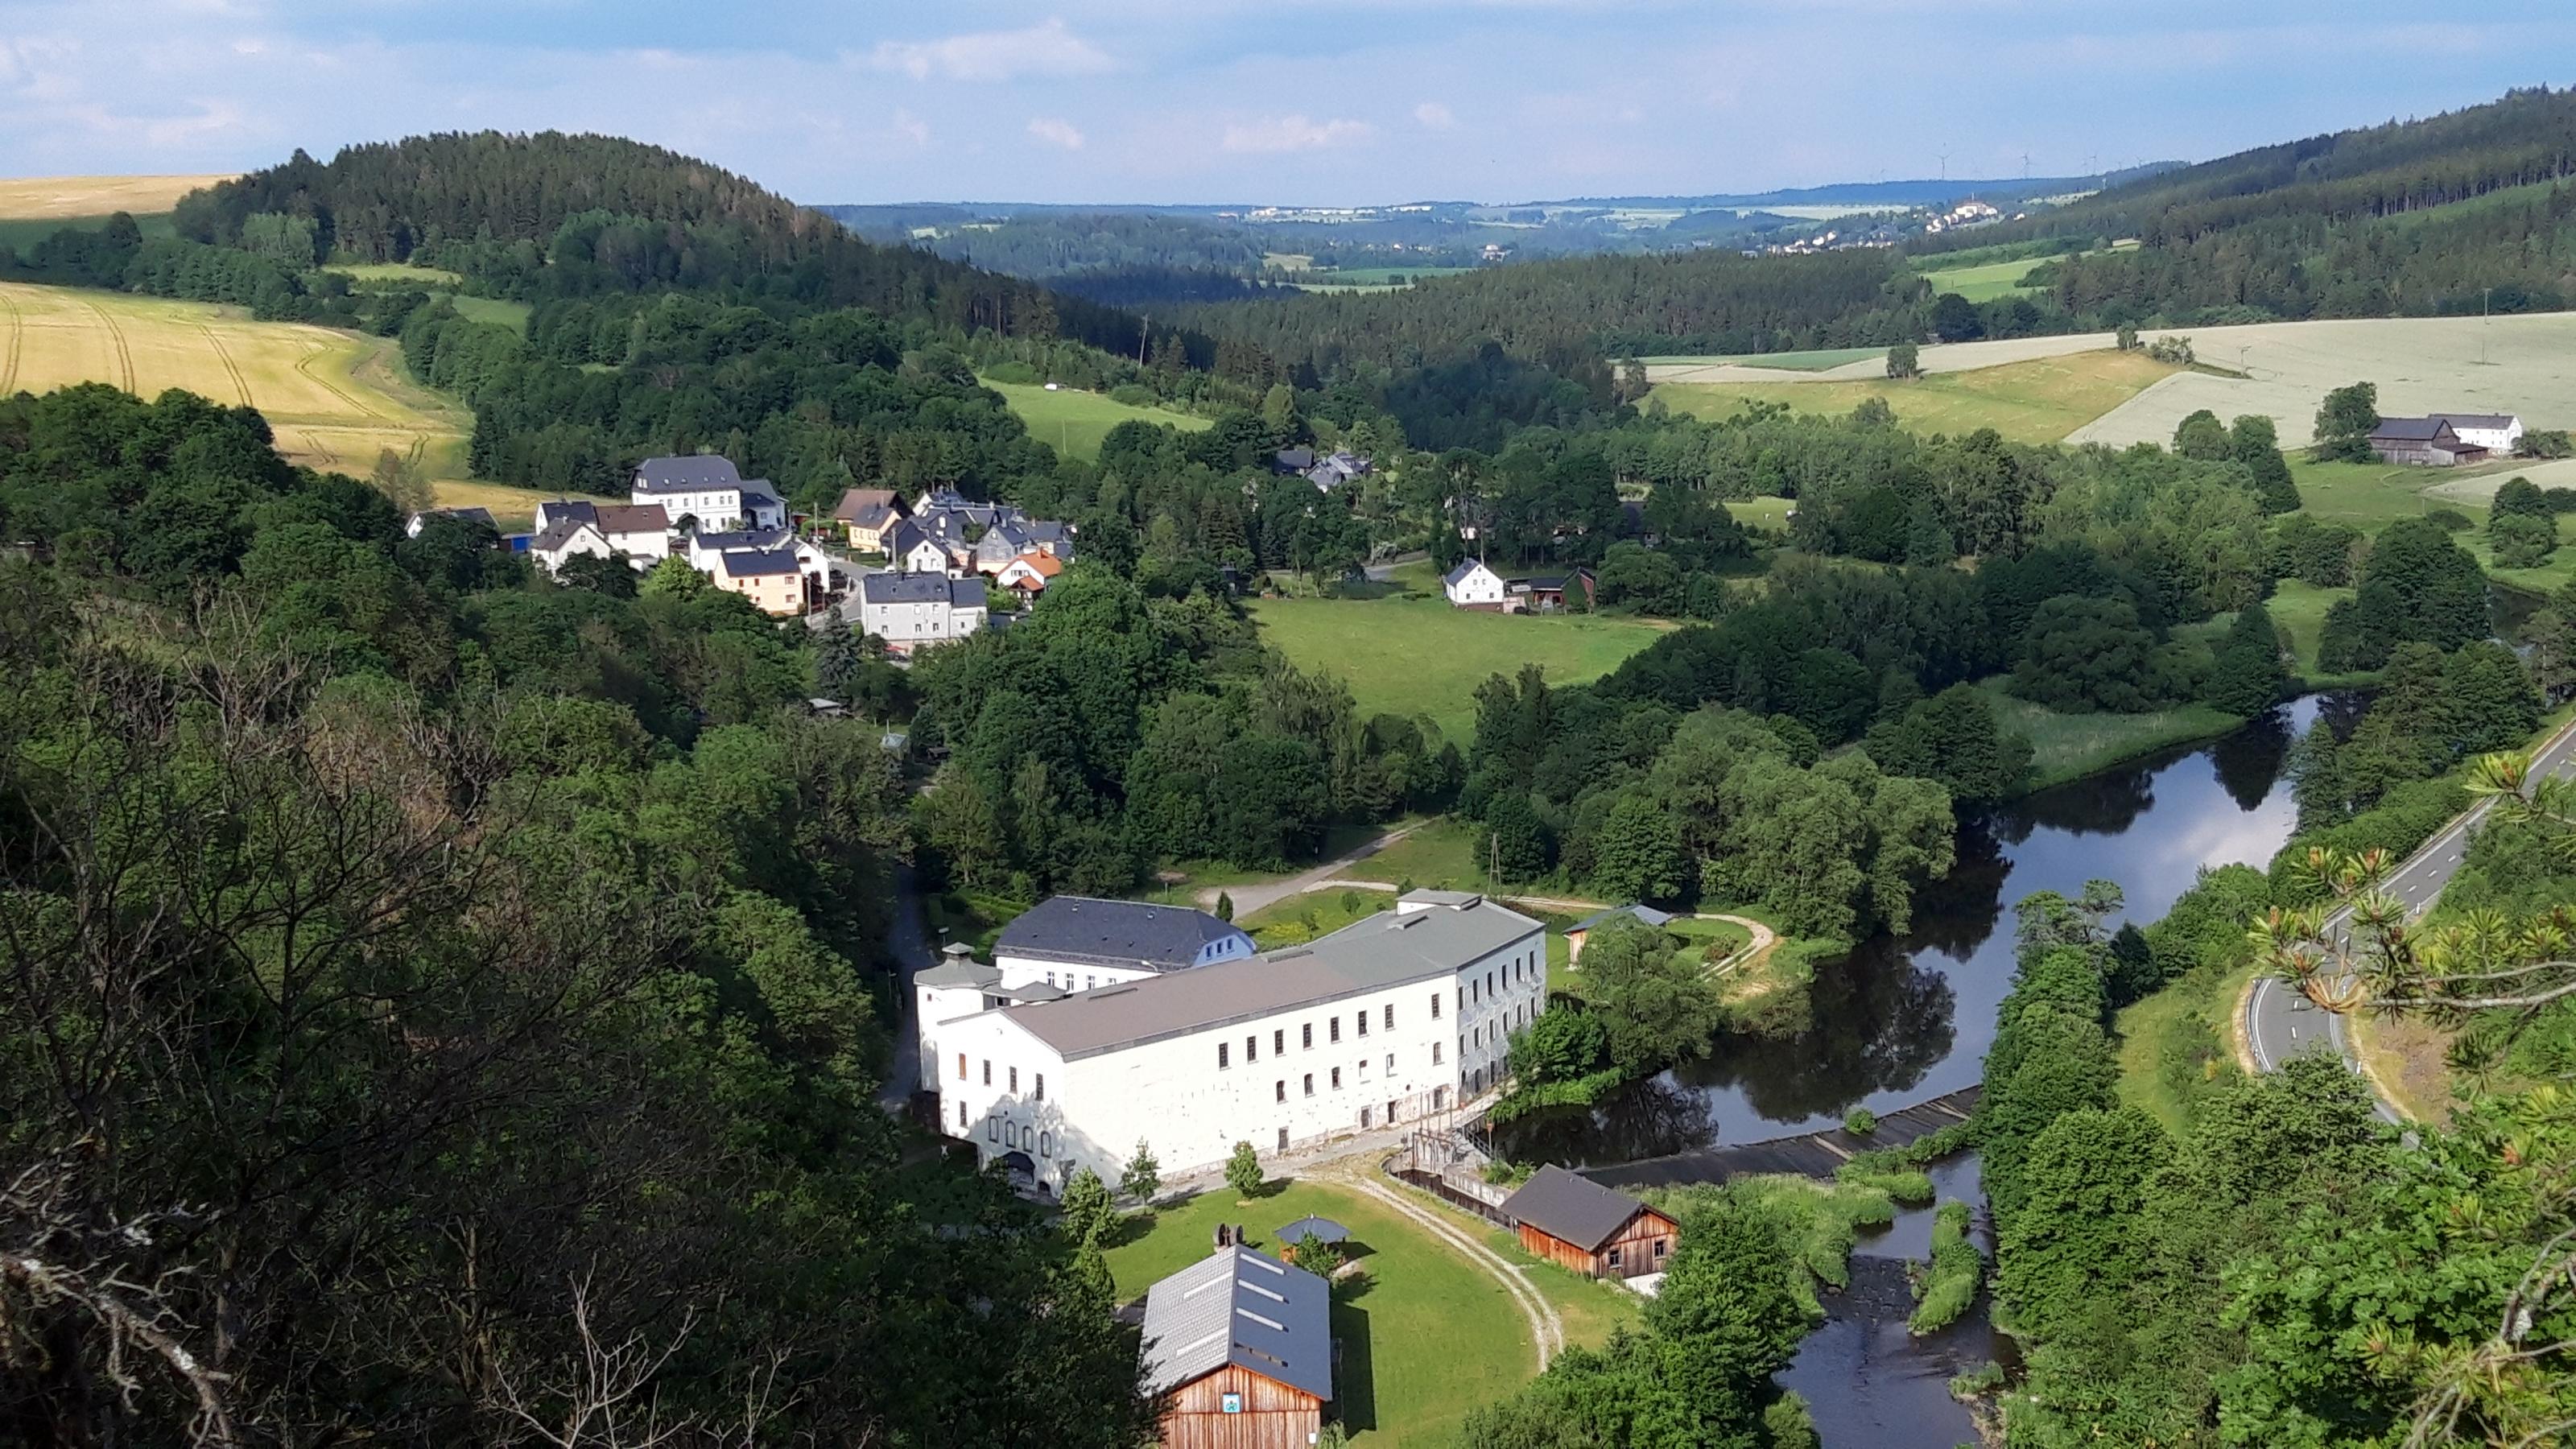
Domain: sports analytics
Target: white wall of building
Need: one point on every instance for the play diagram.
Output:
(2499, 440)
(1480, 586)
(716, 509)
(1275, 1081)
(644, 549)
(929, 622)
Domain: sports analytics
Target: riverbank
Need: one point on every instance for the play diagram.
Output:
(2065, 748)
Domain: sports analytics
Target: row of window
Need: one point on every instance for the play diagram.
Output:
(1518, 973)
(1369, 1117)
(1039, 1094)
(1013, 1135)
(1493, 1032)
(1306, 1035)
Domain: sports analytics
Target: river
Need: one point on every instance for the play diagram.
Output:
(1903, 1019)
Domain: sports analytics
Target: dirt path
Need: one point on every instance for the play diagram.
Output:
(1251, 898)
(1764, 938)
(17, 342)
(1547, 1328)
(116, 338)
(241, 385)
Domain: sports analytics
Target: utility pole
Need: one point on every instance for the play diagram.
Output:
(2486, 302)
(1144, 333)
(1945, 166)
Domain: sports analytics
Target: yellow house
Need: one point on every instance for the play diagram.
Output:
(771, 579)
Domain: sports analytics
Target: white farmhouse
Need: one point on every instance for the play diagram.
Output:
(565, 539)
(706, 492)
(641, 532)
(1399, 1018)
(1471, 585)
(916, 611)
(2495, 432)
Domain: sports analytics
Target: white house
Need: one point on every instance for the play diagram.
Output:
(565, 539)
(1401, 1017)
(707, 492)
(916, 611)
(2495, 432)
(914, 551)
(1471, 585)
(1065, 944)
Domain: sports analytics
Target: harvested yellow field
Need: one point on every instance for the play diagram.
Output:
(45, 198)
(335, 399)
(2038, 400)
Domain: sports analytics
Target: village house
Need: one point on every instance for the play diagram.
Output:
(1546, 593)
(1579, 1225)
(2495, 432)
(1028, 574)
(771, 578)
(704, 492)
(1581, 931)
(641, 533)
(1402, 1017)
(557, 543)
(865, 514)
(919, 610)
(2424, 442)
(911, 550)
(1243, 1345)
(1471, 585)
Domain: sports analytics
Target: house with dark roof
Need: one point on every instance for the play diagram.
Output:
(1292, 460)
(1242, 1345)
(1403, 1018)
(920, 610)
(1580, 931)
(706, 491)
(481, 517)
(2425, 442)
(1471, 585)
(1578, 1224)
(773, 579)
(1104, 942)
(2495, 432)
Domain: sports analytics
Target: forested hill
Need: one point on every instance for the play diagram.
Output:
(2405, 217)
(556, 215)
(1710, 301)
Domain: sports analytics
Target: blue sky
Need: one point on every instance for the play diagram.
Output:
(1231, 100)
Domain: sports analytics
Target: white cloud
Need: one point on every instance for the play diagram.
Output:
(1056, 131)
(994, 55)
(911, 127)
(1435, 115)
(1292, 133)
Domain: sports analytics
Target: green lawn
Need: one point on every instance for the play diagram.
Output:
(2039, 401)
(397, 272)
(1073, 422)
(2070, 746)
(1414, 655)
(2176, 1039)
(2369, 495)
(22, 233)
(1984, 283)
(1428, 1338)
(1301, 918)
(1764, 512)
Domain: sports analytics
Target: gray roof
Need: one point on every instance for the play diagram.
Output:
(1571, 1207)
(963, 971)
(760, 490)
(2476, 420)
(756, 564)
(1240, 1309)
(577, 509)
(1113, 933)
(2410, 430)
(922, 589)
(670, 475)
(1385, 950)
(461, 515)
(1462, 570)
(904, 537)
(1295, 460)
(753, 540)
(558, 533)
(1632, 910)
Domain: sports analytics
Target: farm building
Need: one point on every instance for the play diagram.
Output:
(1243, 1344)
(1471, 585)
(2495, 432)
(1576, 1223)
(2426, 442)
(1580, 931)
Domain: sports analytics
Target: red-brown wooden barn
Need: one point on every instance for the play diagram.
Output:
(1577, 1223)
(1243, 1344)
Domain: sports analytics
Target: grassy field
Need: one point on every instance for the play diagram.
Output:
(1983, 283)
(1763, 512)
(2070, 746)
(1813, 361)
(2036, 401)
(1428, 1338)
(398, 275)
(1073, 422)
(334, 399)
(1302, 918)
(1412, 654)
(2176, 1038)
(2299, 614)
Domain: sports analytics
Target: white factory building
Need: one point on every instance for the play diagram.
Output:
(1404, 1016)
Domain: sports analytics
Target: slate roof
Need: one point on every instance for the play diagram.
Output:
(1385, 950)
(558, 533)
(1294, 460)
(1242, 1309)
(759, 563)
(632, 518)
(1113, 933)
(677, 475)
(2477, 420)
(872, 517)
(1570, 1207)
(461, 515)
(2409, 430)
(1461, 571)
(922, 589)
(578, 509)
(904, 537)
(962, 972)
(1647, 914)
(747, 540)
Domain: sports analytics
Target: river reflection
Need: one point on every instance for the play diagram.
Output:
(1902, 1019)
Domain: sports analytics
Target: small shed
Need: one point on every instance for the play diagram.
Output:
(1580, 930)
(1578, 1224)
(1243, 1346)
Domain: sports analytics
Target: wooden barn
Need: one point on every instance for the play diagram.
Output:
(1243, 1344)
(1576, 1223)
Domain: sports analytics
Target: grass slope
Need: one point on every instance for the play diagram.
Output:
(1073, 422)
(334, 399)
(2040, 400)
(1413, 655)
(1812, 361)
(1983, 283)
(1428, 1339)
(2070, 746)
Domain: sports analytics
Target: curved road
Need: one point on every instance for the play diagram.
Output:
(2281, 1022)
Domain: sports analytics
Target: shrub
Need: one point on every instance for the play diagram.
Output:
(1243, 1170)
(2521, 540)
(1860, 1121)
(1135, 395)
(2451, 520)
(1949, 1285)
(1012, 372)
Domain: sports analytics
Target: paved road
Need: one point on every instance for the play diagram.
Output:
(1250, 898)
(2281, 1022)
